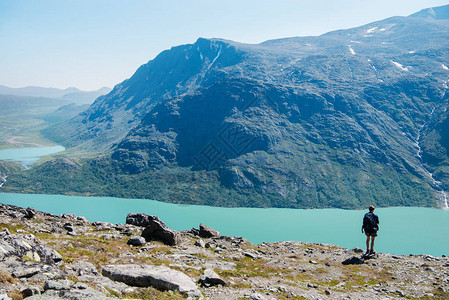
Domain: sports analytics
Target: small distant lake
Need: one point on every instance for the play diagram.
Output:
(403, 230)
(28, 156)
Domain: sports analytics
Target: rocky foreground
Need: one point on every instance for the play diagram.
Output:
(44, 256)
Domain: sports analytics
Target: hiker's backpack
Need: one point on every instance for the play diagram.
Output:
(369, 222)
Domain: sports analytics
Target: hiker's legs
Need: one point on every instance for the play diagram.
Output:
(372, 243)
(367, 242)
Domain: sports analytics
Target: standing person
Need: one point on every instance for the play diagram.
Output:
(370, 226)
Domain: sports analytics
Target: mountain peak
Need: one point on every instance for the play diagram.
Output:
(437, 13)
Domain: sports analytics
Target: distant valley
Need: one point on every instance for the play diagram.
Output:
(26, 111)
(346, 119)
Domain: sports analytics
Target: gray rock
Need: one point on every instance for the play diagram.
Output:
(68, 227)
(211, 278)
(29, 213)
(159, 277)
(103, 225)
(138, 219)
(74, 294)
(356, 250)
(136, 241)
(58, 285)
(53, 254)
(82, 219)
(353, 261)
(251, 255)
(27, 245)
(157, 230)
(200, 243)
(31, 290)
(21, 272)
(4, 297)
(68, 216)
(207, 232)
(80, 286)
(84, 268)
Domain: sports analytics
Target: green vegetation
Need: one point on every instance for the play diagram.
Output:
(22, 119)
(101, 176)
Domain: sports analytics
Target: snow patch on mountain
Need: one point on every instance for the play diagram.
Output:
(351, 50)
(400, 66)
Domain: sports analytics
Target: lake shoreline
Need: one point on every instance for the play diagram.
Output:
(46, 250)
(260, 225)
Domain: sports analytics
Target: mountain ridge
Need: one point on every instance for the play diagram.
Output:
(71, 93)
(336, 120)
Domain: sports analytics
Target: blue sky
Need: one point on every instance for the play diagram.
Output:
(93, 43)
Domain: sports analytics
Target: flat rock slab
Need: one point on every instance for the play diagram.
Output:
(159, 277)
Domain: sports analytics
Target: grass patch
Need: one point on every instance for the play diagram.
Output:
(12, 227)
(6, 277)
(247, 267)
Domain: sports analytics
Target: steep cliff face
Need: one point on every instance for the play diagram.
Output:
(334, 120)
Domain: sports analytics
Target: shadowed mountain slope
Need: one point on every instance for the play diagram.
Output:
(338, 120)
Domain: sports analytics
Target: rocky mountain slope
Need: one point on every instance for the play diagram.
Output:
(44, 256)
(339, 120)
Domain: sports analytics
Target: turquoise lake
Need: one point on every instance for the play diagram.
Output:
(403, 230)
(28, 156)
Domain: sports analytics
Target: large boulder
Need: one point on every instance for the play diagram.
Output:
(139, 219)
(157, 230)
(26, 245)
(207, 232)
(160, 277)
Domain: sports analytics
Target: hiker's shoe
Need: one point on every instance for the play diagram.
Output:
(367, 253)
(372, 252)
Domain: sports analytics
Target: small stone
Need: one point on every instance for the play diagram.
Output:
(136, 241)
(30, 213)
(58, 285)
(200, 243)
(356, 250)
(353, 261)
(68, 216)
(250, 255)
(282, 289)
(313, 262)
(209, 278)
(312, 285)
(328, 264)
(80, 286)
(31, 290)
(82, 219)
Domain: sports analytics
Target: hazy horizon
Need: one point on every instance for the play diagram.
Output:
(92, 44)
